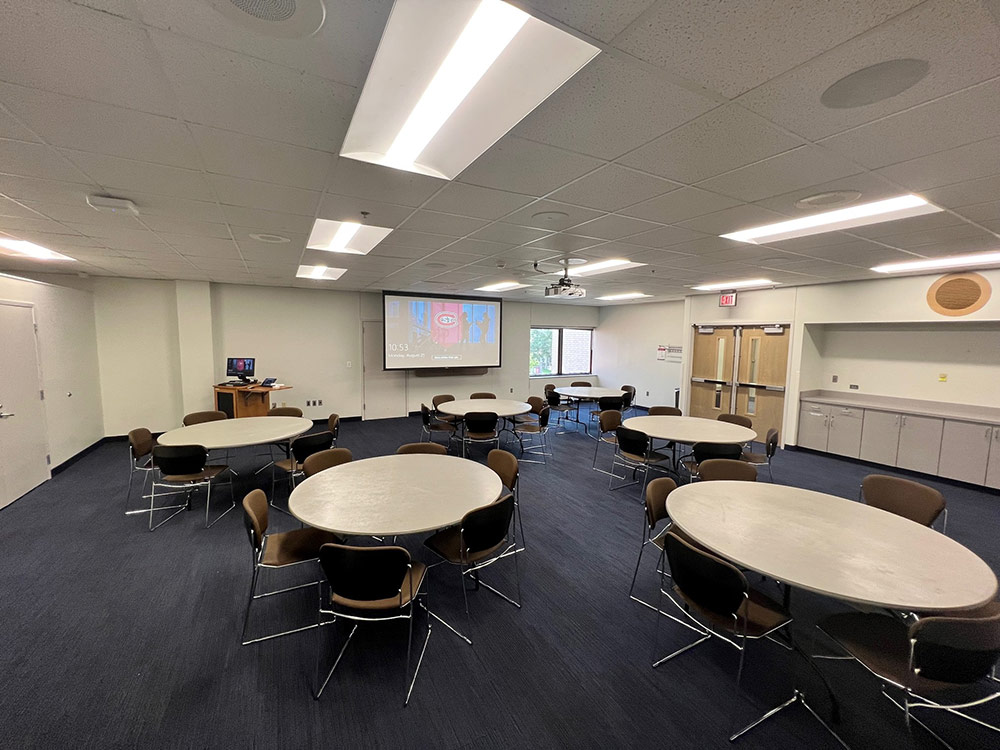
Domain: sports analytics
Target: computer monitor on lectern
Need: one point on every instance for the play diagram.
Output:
(239, 367)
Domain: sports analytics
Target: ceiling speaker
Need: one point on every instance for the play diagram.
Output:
(285, 19)
(959, 294)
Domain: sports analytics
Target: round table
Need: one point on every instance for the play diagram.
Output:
(394, 495)
(832, 546)
(237, 433)
(690, 430)
(587, 392)
(502, 407)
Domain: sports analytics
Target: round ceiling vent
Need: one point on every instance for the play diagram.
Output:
(272, 239)
(959, 294)
(286, 19)
(875, 83)
(828, 200)
(550, 216)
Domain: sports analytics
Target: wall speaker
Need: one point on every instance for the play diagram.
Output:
(285, 19)
(959, 294)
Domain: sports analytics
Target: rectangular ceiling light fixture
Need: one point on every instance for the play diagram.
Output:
(450, 77)
(25, 249)
(599, 266)
(726, 285)
(626, 295)
(345, 236)
(320, 272)
(955, 261)
(891, 209)
(503, 286)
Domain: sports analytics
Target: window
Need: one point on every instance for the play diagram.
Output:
(560, 351)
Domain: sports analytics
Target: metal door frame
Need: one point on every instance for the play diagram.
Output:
(734, 381)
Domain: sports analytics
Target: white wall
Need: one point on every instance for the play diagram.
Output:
(67, 347)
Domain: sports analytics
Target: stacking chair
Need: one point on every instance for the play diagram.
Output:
(433, 427)
(302, 447)
(536, 402)
(764, 459)
(199, 417)
(284, 411)
(443, 398)
(548, 387)
(371, 584)
(278, 411)
(483, 394)
(608, 403)
(333, 425)
(736, 419)
(714, 469)
(705, 451)
(628, 399)
(539, 429)
(556, 405)
(480, 427)
(628, 389)
(325, 459)
(435, 449)
(634, 451)
(664, 411)
(608, 422)
(140, 451)
(939, 656)
(581, 384)
(905, 498)
(183, 468)
(505, 466)
(273, 551)
(481, 539)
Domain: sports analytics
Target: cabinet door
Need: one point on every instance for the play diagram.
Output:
(880, 437)
(993, 469)
(845, 431)
(813, 425)
(919, 443)
(965, 451)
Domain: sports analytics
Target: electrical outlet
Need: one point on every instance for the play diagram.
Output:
(349, 365)
(319, 403)
(511, 390)
(647, 393)
(836, 378)
(855, 387)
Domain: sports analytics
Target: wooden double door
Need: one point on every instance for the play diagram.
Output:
(740, 370)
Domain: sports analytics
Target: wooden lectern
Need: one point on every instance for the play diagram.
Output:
(245, 400)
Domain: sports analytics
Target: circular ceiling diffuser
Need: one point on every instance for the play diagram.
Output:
(575, 261)
(959, 294)
(550, 216)
(875, 83)
(828, 200)
(272, 239)
(285, 19)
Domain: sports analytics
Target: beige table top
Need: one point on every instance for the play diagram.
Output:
(502, 407)
(690, 429)
(236, 433)
(588, 392)
(832, 546)
(389, 495)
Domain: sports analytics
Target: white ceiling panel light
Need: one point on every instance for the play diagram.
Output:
(320, 272)
(891, 209)
(624, 296)
(727, 285)
(502, 286)
(451, 77)
(601, 266)
(976, 260)
(25, 249)
(349, 237)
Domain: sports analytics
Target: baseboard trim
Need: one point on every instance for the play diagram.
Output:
(59, 468)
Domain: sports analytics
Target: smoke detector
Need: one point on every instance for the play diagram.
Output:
(108, 205)
(285, 19)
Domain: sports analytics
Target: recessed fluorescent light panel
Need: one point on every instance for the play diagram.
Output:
(345, 237)
(954, 261)
(891, 209)
(503, 286)
(26, 249)
(320, 272)
(627, 295)
(451, 77)
(745, 284)
(600, 266)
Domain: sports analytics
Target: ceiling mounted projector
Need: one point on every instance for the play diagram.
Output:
(108, 205)
(565, 288)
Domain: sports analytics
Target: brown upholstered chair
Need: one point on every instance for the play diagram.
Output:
(435, 449)
(707, 451)
(481, 539)
(634, 452)
(935, 662)
(556, 405)
(431, 427)
(184, 468)
(736, 419)
(199, 417)
(536, 403)
(505, 465)
(302, 447)
(905, 498)
(483, 394)
(333, 425)
(581, 384)
(664, 411)
(284, 411)
(715, 469)
(539, 429)
(764, 459)
(607, 422)
(325, 459)
(480, 427)
(140, 451)
(548, 387)
(438, 415)
(608, 403)
(283, 550)
(371, 584)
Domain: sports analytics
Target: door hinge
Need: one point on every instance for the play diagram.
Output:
(41, 395)
(35, 326)
(48, 460)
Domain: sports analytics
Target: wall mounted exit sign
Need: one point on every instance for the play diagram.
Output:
(727, 300)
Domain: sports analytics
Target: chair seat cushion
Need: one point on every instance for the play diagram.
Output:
(609, 438)
(481, 435)
(209, 472)
(447, 543)
(654, 457)
(530, 417)
(445, 417)
(754, 458)
(760, 612)
(440, 427)
(528, 427)
(288, 464)
(290, 547)
(411, 585)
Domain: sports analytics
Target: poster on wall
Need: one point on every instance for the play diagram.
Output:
(661, 352)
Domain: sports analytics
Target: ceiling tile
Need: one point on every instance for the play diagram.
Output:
(233, 191)
(409, 238)
(510, 234)
(269, 222)
(52, 191)
(182, 226)
(601, 20)
(872, 187)
(613, 187)
(472, 200)
(679, 205)
(975, 160)
(523, 166)
(349, 208)
(981, 212)
(37, 160)
(123, 175)
(449, 224)
(665, 236)
(566, 243)
(371, 181)
(613, 227)
(733, 219)
(962, 193)
(923, 223)
(477, 247)
(27, 210)
(11, 128)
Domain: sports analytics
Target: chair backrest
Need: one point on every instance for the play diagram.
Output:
(580, 384)
(486, 527)
(333, 425)
(628, 389)
(553, 398)
(441, 398)
(433, 448)
(656, 499)
(284, 411)
(632, 441)
(771, 444)
(483, 394)
(198, 417)
(736, 419)
(175, 460)
(627, 397)
(543, 417)
(714, 469)
(706, 451)
(610, 402)
(548, 387)
(255, 517)
(325, 459)
(305, 445)
(481, 421)
(960, 650)
(140, 442)
(665, 411)
(425, 415)
(610, 420)
(537, 402)
(504, 463)
(904, 497)
(364, 573)
(710, 582)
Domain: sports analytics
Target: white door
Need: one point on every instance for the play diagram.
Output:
(384, 391)
(23, 437)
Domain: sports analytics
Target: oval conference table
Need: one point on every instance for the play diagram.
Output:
(237, 433)
(690, 430)
(502, 407)
(586, 393)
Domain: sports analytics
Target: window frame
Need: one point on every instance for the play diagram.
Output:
(559, 348)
